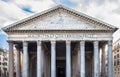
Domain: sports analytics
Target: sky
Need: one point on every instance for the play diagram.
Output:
(15, 10)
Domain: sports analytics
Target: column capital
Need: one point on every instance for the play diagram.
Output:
(10, 42)
(53, 42)
(110, 42)
(39, 42)
(25, 43)
(82, 42)
(68, 41)
(96, 43)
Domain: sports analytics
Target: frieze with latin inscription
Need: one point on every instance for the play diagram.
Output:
(61, 35)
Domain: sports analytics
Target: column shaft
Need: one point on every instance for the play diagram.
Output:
(11, 60)
(98, 61)
(39, 59)
(68, 59)
(103, 62)
(53, 59)
(82, 58)
(25, 60)
(18, 64)
(96, 57)
(110, 59)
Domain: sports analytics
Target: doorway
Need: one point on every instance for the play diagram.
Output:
(61, 68)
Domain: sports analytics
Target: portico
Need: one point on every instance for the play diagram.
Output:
(70, 52)
(60, 42)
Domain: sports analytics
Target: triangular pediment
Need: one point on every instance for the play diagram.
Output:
(59, 18)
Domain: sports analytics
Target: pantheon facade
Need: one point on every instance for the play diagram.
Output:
(60, 42)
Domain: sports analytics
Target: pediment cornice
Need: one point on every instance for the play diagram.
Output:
(13, 27)
(61, 31)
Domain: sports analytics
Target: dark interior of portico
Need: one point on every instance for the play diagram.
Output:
(61, 59)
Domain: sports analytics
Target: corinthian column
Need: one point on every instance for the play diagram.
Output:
(96, 57)
(53, 59)
(39, 71)
(68, 59)
(103, 62)
(110, 59)
(25, 60)
(82, 58)
(11, 60)
(18, 62)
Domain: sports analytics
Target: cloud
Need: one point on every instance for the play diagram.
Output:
(13, 10)
(67, 3)
(117, 10)
(35, 5)
(10, 12)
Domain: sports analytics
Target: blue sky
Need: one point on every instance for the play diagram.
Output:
(3, 38)
(14, 10)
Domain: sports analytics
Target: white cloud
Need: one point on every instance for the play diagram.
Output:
(103, 11)
(76, 1)
(11, 11)
(35, 5)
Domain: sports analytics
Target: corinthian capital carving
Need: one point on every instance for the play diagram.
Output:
(53, 42)
(110, 42)
(39, 42)
(96, 43)
(9, 41)
(25, 43)
(82, 42)
(68, 42)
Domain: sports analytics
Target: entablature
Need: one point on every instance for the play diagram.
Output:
(64, 35)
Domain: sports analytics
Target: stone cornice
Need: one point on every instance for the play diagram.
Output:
(61, 31)
(58, 8)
